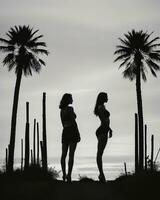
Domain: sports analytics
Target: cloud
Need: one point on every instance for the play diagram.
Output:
(81, 37)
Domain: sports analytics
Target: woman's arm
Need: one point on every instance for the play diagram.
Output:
(104, 120)
(72, 114)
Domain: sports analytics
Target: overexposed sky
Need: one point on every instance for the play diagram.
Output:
(81, 36)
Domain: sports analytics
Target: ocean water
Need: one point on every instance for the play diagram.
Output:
(87, 167)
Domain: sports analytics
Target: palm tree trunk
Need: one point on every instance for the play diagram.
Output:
(13, 122)
(136, 144)
(140, 118)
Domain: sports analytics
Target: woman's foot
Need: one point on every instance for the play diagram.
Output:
(64, 178)
(68, 179)
(102, 178)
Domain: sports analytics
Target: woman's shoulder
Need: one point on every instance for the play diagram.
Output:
(101, 107)
(67, 108)
(102, 110)
(70, 108)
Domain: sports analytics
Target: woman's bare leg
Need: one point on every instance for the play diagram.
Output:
(72, 148)
(63, 159)
(102, 141)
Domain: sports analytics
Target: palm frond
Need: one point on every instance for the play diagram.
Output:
(9, 59)
(122, 51)
(36, 44)
(7, 42)
(42, 62)
(36, 65)
(36, 38)
(121, 57)
(11, 65)
(143, 70)
(153, 65)
(125, 62)
(154, 56)
(153, 72)
(154, 46)
(22, 47)
(33, 33)
(137, 49)
(125, 42)
(127, 73)
(150, 42)
(40, 51)
(7, 48)
(147, 36)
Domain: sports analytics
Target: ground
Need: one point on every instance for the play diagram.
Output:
(126, 188)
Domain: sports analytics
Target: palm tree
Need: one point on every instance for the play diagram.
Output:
(138, 53)
(22, 48)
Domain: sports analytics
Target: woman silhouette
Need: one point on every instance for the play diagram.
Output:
(70, 134)
(103, 132)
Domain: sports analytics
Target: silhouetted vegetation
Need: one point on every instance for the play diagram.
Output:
(22, 48)
(85, 179)
(143, 185)
(33, 173)
(138, 53)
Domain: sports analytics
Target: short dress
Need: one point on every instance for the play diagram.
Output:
(70, 133)
(102, 129)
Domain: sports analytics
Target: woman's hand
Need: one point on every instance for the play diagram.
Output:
(110, 133)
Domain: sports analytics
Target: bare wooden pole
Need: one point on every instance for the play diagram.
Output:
(145, 138)
(152, 151)
(125, 168)
(21, 154)
(34, 143)
(44, 132)
(31, 157)
(136, 144)
(37, 143)
(42, 153)
(27, 146)
(6, 158)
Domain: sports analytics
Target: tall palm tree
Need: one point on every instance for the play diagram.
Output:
(138, 53)
(22, 47)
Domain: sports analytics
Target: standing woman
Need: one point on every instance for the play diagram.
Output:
(70, 134)
(103, 132)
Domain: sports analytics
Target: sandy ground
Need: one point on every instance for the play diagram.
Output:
(125, 189)
(59, 190)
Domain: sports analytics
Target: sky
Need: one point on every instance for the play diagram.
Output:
(81, 36)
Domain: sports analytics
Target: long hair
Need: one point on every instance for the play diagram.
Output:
(66, 99)
(101, 98)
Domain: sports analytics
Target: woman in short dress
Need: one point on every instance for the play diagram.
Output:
(70, 134)
(103, 132)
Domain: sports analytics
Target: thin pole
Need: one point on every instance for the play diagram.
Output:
(125, 168)
(152, 151)
(44, 132)
(145, 137)
(21, 154)
(42, 153)
(31, 157)
(34, 143)
(27, 145)
(37, 143)
(6, 158)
